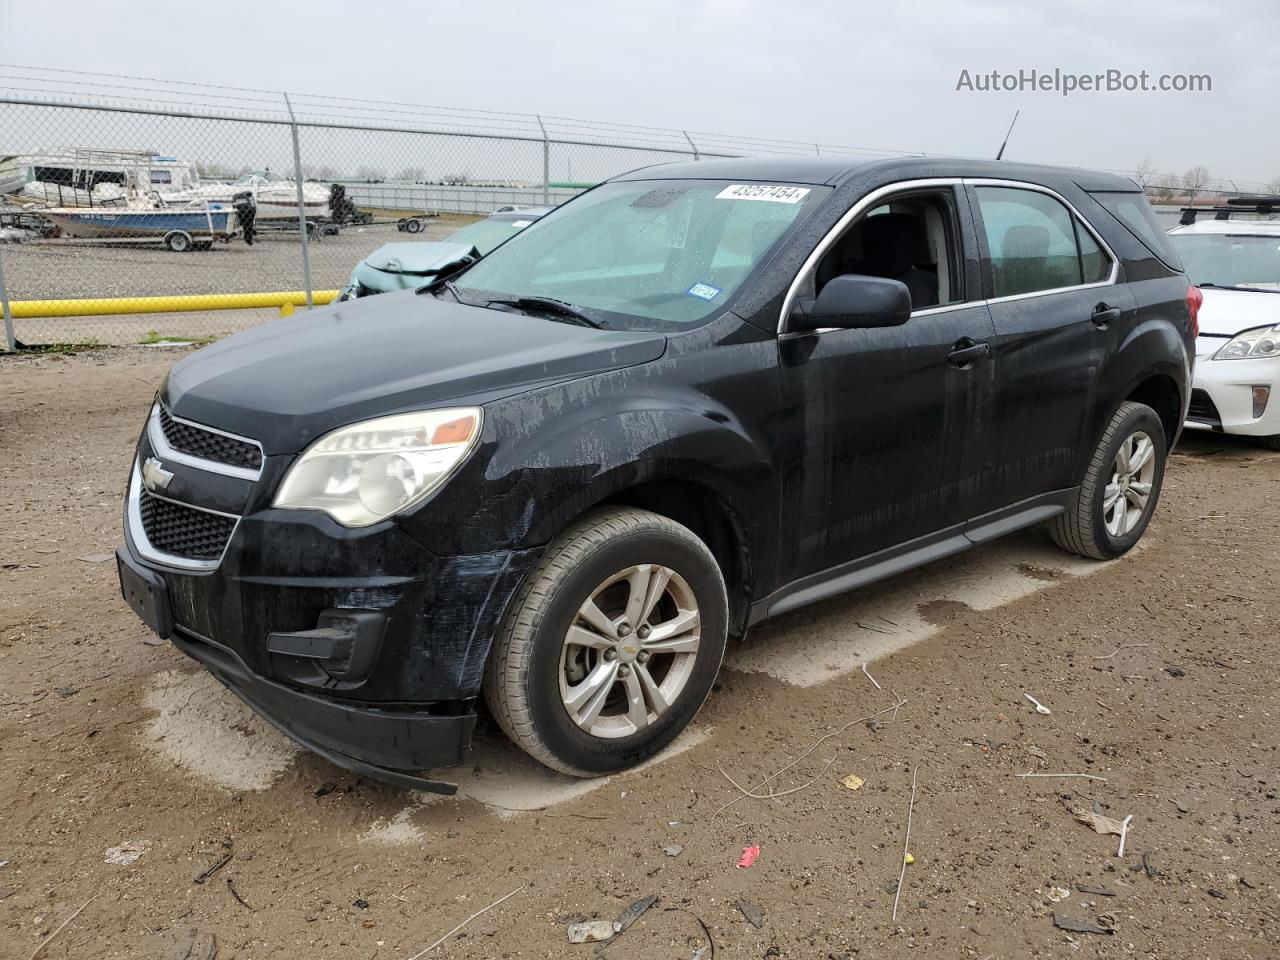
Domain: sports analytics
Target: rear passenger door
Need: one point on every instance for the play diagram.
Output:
(1055, 305)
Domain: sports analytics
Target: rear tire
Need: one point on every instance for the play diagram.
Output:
(625, 689)
(1114, 504)
(1271, 443)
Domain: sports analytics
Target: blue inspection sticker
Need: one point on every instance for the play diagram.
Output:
(703, 291)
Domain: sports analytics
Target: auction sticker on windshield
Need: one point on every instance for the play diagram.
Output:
(763, 191)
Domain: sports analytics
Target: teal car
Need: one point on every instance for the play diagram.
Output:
(402, 266)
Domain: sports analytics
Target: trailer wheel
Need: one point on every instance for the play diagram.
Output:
(179, 241)
(413, 226)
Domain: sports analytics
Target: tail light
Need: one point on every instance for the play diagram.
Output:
(1194, 299)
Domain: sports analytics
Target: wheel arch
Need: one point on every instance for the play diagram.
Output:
(1160, 392)
(712, 520)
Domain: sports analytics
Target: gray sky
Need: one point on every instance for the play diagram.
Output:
(874, 74)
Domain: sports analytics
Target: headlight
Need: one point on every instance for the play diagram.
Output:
(1251, 345)
(370, 471)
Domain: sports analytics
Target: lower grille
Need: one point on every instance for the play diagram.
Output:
(183, 531)
(1203, 409)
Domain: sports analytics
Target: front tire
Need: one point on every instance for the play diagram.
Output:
(1114, 504)
(611, 645)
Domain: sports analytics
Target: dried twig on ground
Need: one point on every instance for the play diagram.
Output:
(906, 845)
(221, 862)
(1123, 646)
(236, 893)
(49, 939)
(427, 949)
(1082, 776)
(870, 677)
(771, 795)
(816, 744)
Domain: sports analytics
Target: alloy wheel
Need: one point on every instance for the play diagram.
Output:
(1128, 492)
(630, 650)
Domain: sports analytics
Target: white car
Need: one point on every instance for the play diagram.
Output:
(1236, 264)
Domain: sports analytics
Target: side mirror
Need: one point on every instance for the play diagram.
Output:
(854, 300)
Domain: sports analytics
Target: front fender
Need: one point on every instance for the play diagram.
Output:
(553, 453)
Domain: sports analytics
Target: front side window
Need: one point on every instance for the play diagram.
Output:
(1036, 244)
(645, 254)
(910, 238)
(1230, 259)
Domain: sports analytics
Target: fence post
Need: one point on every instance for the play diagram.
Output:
(692, 146)
(302, 210)
(10, 341)
(546, 165)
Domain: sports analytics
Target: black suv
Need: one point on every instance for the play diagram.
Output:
(696, 396)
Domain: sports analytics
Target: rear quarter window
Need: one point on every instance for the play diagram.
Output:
(1136, 216)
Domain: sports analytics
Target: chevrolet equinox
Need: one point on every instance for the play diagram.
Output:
(696, 396)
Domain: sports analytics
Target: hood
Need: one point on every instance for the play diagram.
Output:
(422, 259)
(289, 381)
(1228, 312)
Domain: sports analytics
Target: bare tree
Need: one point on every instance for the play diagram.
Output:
(1194, 180)
(370, 173)
(1274, 186)
(1144, 173)
(414, 174)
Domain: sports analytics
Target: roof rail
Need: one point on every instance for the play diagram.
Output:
(1267, 206)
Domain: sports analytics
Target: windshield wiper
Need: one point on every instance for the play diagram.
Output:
(552, 305)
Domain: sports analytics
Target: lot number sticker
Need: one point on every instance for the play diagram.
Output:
(763, 191)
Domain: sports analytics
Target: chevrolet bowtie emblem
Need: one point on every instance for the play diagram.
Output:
(154, 475)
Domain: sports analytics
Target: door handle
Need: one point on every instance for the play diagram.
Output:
(965, 351)
(1103, 316)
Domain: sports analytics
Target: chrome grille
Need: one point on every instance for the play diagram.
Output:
(208, 445)
(183, 531)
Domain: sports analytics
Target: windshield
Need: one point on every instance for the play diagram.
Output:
(1230, 259)
(645, 254)
(484, 235)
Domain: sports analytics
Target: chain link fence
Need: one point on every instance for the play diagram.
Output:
(136, 210)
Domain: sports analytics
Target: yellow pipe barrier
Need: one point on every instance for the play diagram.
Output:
(31, 309)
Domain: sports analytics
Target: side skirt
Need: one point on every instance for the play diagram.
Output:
(914, 553)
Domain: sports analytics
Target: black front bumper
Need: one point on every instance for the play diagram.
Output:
(408, 708)
(373, 741)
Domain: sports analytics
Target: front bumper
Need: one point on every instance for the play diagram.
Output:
(1228, 385)
(398, 697)
(373, 741)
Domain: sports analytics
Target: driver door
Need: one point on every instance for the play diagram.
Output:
(886, 424)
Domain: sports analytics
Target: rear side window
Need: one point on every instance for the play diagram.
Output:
(1036, 243)
(1136, 215)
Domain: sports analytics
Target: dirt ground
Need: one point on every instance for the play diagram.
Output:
(125, 772)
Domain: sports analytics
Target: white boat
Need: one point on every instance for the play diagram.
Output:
(276, 196)
(93, 178)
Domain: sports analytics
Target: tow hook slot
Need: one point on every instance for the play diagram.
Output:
(343, 644)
